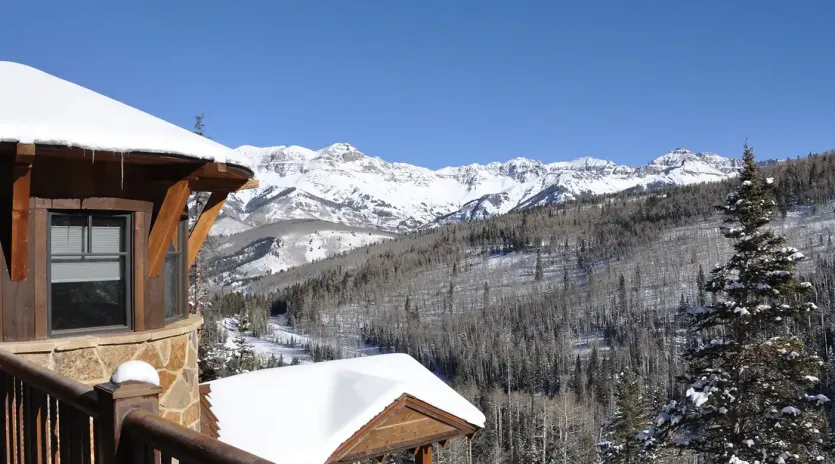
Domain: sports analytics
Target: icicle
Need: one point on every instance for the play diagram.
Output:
(122, 165)
(94, 157)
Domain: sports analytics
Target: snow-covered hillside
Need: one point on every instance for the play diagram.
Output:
(341, 184)
(254, 252)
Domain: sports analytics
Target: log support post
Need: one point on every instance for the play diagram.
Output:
(423, 455)
(21, 181)
(165, 225)
(204, 224)
(116, 400)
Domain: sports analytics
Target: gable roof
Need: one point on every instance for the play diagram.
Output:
(36, 107)
(304, 414)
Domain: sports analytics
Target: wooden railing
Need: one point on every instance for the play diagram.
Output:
(51, 419)
(38, 405)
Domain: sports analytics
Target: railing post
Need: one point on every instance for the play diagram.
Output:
(116, 399)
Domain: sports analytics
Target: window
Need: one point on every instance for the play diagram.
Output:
(89, 271)
(175, 275)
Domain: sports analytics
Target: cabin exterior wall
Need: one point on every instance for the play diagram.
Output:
(65, 184)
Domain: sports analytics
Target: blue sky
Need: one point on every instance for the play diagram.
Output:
(448, 82)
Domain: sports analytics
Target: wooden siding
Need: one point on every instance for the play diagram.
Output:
(65, 183)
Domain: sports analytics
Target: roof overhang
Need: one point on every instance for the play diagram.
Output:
(407, 424)
(201, 174)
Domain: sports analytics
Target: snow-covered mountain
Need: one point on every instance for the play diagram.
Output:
(343, 185)
(271, 248)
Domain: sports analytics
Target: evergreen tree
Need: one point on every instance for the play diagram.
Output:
(623, 302)
(198, 124)
(211, 352)
(750, 396)
(700, 286)
(620, 443)
(537, 275)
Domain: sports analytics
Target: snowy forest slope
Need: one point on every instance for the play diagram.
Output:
(537, 307)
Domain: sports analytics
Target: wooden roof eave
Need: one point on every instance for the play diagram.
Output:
(462, 428)
(202, 175)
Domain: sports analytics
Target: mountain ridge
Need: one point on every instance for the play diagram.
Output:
(340, 183)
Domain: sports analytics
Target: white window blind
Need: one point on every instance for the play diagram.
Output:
(107, 239)
(69, 239)
(73, 240)
(86, 269)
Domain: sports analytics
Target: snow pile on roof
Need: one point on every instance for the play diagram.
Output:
(302, 414)
(36, 107)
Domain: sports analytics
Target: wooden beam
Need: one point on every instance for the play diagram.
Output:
(204, 223)
(21, 178)
(213, 184)
(165, 225)
(424, 455)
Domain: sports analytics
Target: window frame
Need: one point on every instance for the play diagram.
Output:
(129, 272)
(182, 286)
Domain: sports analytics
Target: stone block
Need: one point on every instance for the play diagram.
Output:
(177, 359)
(150, 355)
(113, 355)
(179, 396)
(164, 349)
(166, 379)
(41, 359)
(173, 416)
(191, 414)
(83, 365)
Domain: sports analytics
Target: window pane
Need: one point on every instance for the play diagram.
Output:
(172, 285)
(108, 234)
(87, 269)
(68, 234)
(77, 305)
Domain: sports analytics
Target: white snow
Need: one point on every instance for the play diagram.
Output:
(818, 399)
(301, 414)
(790, 410)
(136, 370)
(281, 342)
(698, 398)
(339, 183)
(36, 107)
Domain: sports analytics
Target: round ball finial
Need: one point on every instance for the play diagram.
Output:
(135, 370)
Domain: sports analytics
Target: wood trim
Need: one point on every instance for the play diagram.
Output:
(399, 448)
(439, 414)
(22, 181)
(100, 203)
(223, 185)
(345, 448)
(208, 421)
(140, 262)
(165, 225)
(343, 453)
(204, 223)
(66, 203)
(39, 275)
(26, 151)
(116, 204)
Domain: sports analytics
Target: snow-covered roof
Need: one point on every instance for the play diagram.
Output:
(302, 414)
(36, 107)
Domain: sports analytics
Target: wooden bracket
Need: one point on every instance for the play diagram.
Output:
(165, 225)
(204, 223)
(21, 178)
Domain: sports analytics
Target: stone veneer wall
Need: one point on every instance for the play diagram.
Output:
(91, 359)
